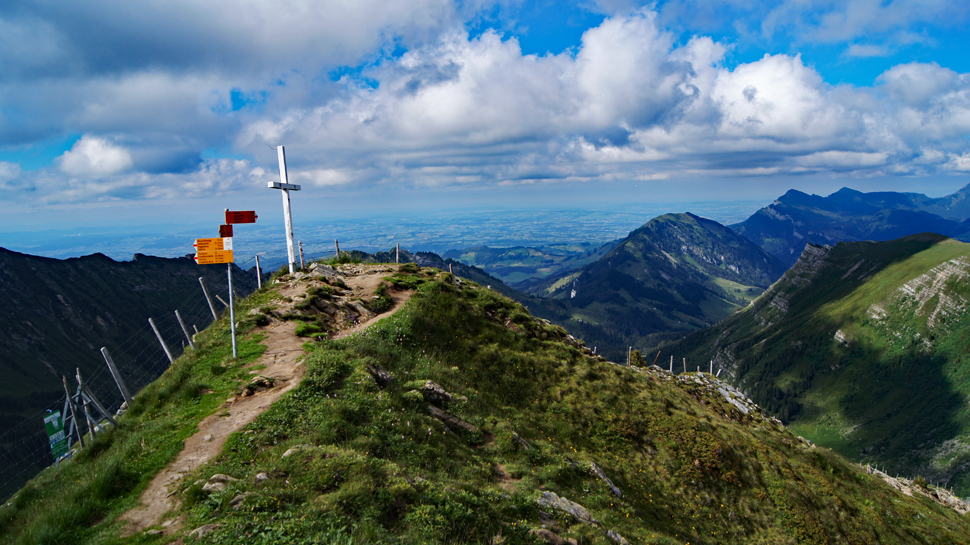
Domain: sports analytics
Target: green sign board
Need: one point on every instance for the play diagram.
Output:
(55, 434)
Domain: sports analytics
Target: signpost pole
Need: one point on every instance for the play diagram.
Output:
(259, 275)
(232, 314)
(287, 216)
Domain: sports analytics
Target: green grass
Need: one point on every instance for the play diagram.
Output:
(372, 465)
(375, 463)
(897, 383)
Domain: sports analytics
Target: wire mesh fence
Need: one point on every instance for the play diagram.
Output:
(24, 446)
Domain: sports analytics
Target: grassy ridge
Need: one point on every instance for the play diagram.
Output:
(346, 460)
(856, 362)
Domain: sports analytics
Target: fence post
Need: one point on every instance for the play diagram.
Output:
(185, 329)
(162, 341)
(74, 421)
(685, 365)
(302, 266)
(89, 396)
(671, 364)
(232, 312)
(711, 372)
(221, 300)
(629, 355)
(208, 298)
(337, 246)
(117, 376)
(259, 275)
(451, 268)
(397, 253)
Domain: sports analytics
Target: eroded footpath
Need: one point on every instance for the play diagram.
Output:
(276, 372)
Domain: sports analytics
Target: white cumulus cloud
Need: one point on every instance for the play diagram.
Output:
(92, 156)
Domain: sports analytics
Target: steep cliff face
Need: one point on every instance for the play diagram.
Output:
(862, 347)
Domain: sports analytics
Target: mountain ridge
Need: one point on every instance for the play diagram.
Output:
(784, 227)
(838, 345)
(464, 419)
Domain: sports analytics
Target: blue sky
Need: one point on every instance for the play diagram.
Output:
(120, 113)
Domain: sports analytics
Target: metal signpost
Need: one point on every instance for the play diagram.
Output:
(287, 217)
(209, 251)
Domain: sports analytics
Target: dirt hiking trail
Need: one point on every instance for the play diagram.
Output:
(282, 363)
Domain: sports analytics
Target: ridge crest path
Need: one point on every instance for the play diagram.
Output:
(282, 362)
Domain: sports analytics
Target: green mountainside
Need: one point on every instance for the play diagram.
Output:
(463, 419)
(862, 347)
(676, 273)
(784, 227)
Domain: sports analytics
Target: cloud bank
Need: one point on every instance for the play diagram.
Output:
(370, 94)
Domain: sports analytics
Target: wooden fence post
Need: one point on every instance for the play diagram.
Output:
(208, 298)
(74, 421)
(88, 395)
(117, 376)
(185, 329)
(336, 245)
(302, 266)
(162, 341)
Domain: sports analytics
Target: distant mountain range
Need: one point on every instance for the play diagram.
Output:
(861, 347)
(677, 272)
(784, 227)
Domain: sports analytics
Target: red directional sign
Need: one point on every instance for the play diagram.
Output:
(247, 216)
(225, 230)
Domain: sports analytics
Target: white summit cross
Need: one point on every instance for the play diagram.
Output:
(287, 217)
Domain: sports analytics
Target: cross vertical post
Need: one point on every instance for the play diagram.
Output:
(284, 185)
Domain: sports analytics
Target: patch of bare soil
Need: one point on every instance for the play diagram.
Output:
(282, 363)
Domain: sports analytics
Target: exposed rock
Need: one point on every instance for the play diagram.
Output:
(518, 439)
(382, 376)
(236, 503)
(599, 473)
(434, 393)
(293, 450)
(260, 477)
(257, 384)
(553, 501)
(222, 478)
(154, 532)
(202, 531)
(213, 487)
(451, 421)
(617, 538)
(551, 537)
